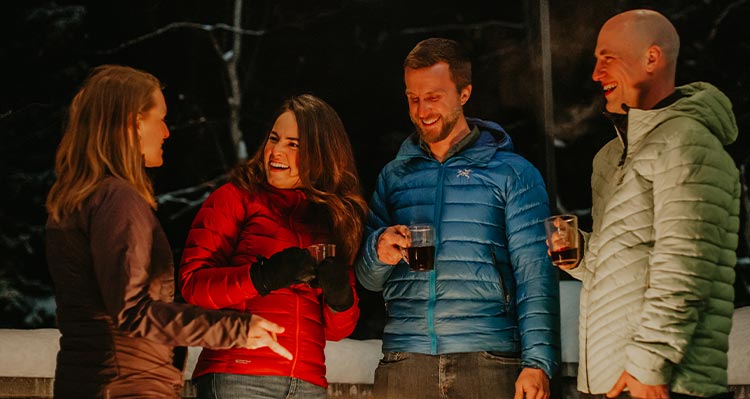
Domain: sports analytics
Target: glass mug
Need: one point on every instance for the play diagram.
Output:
(322, 251)
(421, 254)
(562, 239)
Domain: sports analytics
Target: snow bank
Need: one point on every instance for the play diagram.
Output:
(32, 353)
(348, 361)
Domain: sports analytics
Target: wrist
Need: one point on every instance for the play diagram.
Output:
(339, 300)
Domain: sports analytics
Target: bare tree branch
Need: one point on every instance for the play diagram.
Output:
(722, 15)
(181, 25)
(476, 26)
(174, 196)
(181, 196)
(235, 98)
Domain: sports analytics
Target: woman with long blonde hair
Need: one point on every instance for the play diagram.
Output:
(109, 258)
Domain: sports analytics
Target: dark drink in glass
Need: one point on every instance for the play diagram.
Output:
(563, 240)
(565, 256)
(421, 258)
(421, 253)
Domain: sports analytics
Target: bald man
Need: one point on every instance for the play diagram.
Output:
(658, 267)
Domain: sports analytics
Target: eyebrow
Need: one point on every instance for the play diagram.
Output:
(278, 135)
(431, 92)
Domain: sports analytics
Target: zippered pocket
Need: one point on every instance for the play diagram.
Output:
(504, 290)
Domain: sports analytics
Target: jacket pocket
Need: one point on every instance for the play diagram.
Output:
(392, 358)
(503, 357)
(503, 288)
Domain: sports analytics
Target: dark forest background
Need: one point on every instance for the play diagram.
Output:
(348, 52)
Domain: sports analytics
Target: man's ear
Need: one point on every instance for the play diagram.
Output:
(465, 94)
(654, 58)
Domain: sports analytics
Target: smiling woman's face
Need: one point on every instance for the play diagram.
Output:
(281, 153)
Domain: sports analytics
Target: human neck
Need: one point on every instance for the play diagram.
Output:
(656, 94)
(440, 149)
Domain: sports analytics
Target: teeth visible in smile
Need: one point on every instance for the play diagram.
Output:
(278, 165)
(610, 87)
(429, 121)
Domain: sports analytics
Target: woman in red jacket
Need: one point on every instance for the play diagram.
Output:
(244, 252)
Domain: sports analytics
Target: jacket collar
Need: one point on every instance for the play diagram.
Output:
(284, 200)
(492, 138)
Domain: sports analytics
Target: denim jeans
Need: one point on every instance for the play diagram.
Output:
(672, 395)
(236, 386)
(403, 375)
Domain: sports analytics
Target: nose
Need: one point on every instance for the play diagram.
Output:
(166, 133)
(598, 72)
(276, 148)
(423, 109)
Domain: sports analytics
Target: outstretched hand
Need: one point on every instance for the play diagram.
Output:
(638, 390)
(262, 333)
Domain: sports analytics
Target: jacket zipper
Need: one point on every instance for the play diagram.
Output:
(586, 354)
(296, 335)
(291, 218)
(296, 296)
(433, 272)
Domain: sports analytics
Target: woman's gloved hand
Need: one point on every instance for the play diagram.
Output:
(333, 278)
(290, 266)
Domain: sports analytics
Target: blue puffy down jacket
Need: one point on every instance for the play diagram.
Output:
(493, 287)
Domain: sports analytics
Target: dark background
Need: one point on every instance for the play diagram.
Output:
(349, 53)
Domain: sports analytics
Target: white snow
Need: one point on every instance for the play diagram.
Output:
(32, 353)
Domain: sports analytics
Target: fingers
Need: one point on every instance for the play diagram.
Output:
(530, 391)
(264, 324)
(533, 384)
(542, 393)
(262, 333)
(618, 387)
(391, 244)
(276, 347)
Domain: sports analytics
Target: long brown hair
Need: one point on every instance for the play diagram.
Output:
(100, 137)
(326, 168)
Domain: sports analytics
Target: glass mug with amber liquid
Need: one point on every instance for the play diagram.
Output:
(562, 239)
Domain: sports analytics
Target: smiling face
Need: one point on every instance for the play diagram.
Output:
(636, 55)
(621, 66)
(152, 131)
(281, 153)
(435, 105)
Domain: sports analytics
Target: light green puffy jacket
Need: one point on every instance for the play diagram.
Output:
(658, 271)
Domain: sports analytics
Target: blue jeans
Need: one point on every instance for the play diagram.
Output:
(236, 386)
(403, 375)
(672, 395)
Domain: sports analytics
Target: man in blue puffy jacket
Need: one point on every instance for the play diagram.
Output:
(484, 322)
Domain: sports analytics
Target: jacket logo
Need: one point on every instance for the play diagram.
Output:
(464, 173)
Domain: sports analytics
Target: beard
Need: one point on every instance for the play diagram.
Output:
(449, 122)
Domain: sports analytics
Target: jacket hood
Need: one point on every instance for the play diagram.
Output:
(492, 138)
(702, 102)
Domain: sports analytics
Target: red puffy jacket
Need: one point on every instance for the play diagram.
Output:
(233, 228)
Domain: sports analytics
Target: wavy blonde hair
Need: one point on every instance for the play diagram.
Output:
(101, 139)
(326, 169)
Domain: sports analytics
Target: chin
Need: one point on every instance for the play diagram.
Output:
(154, 164)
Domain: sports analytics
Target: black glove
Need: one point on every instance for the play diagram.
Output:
(290, 266)
(333, 278)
